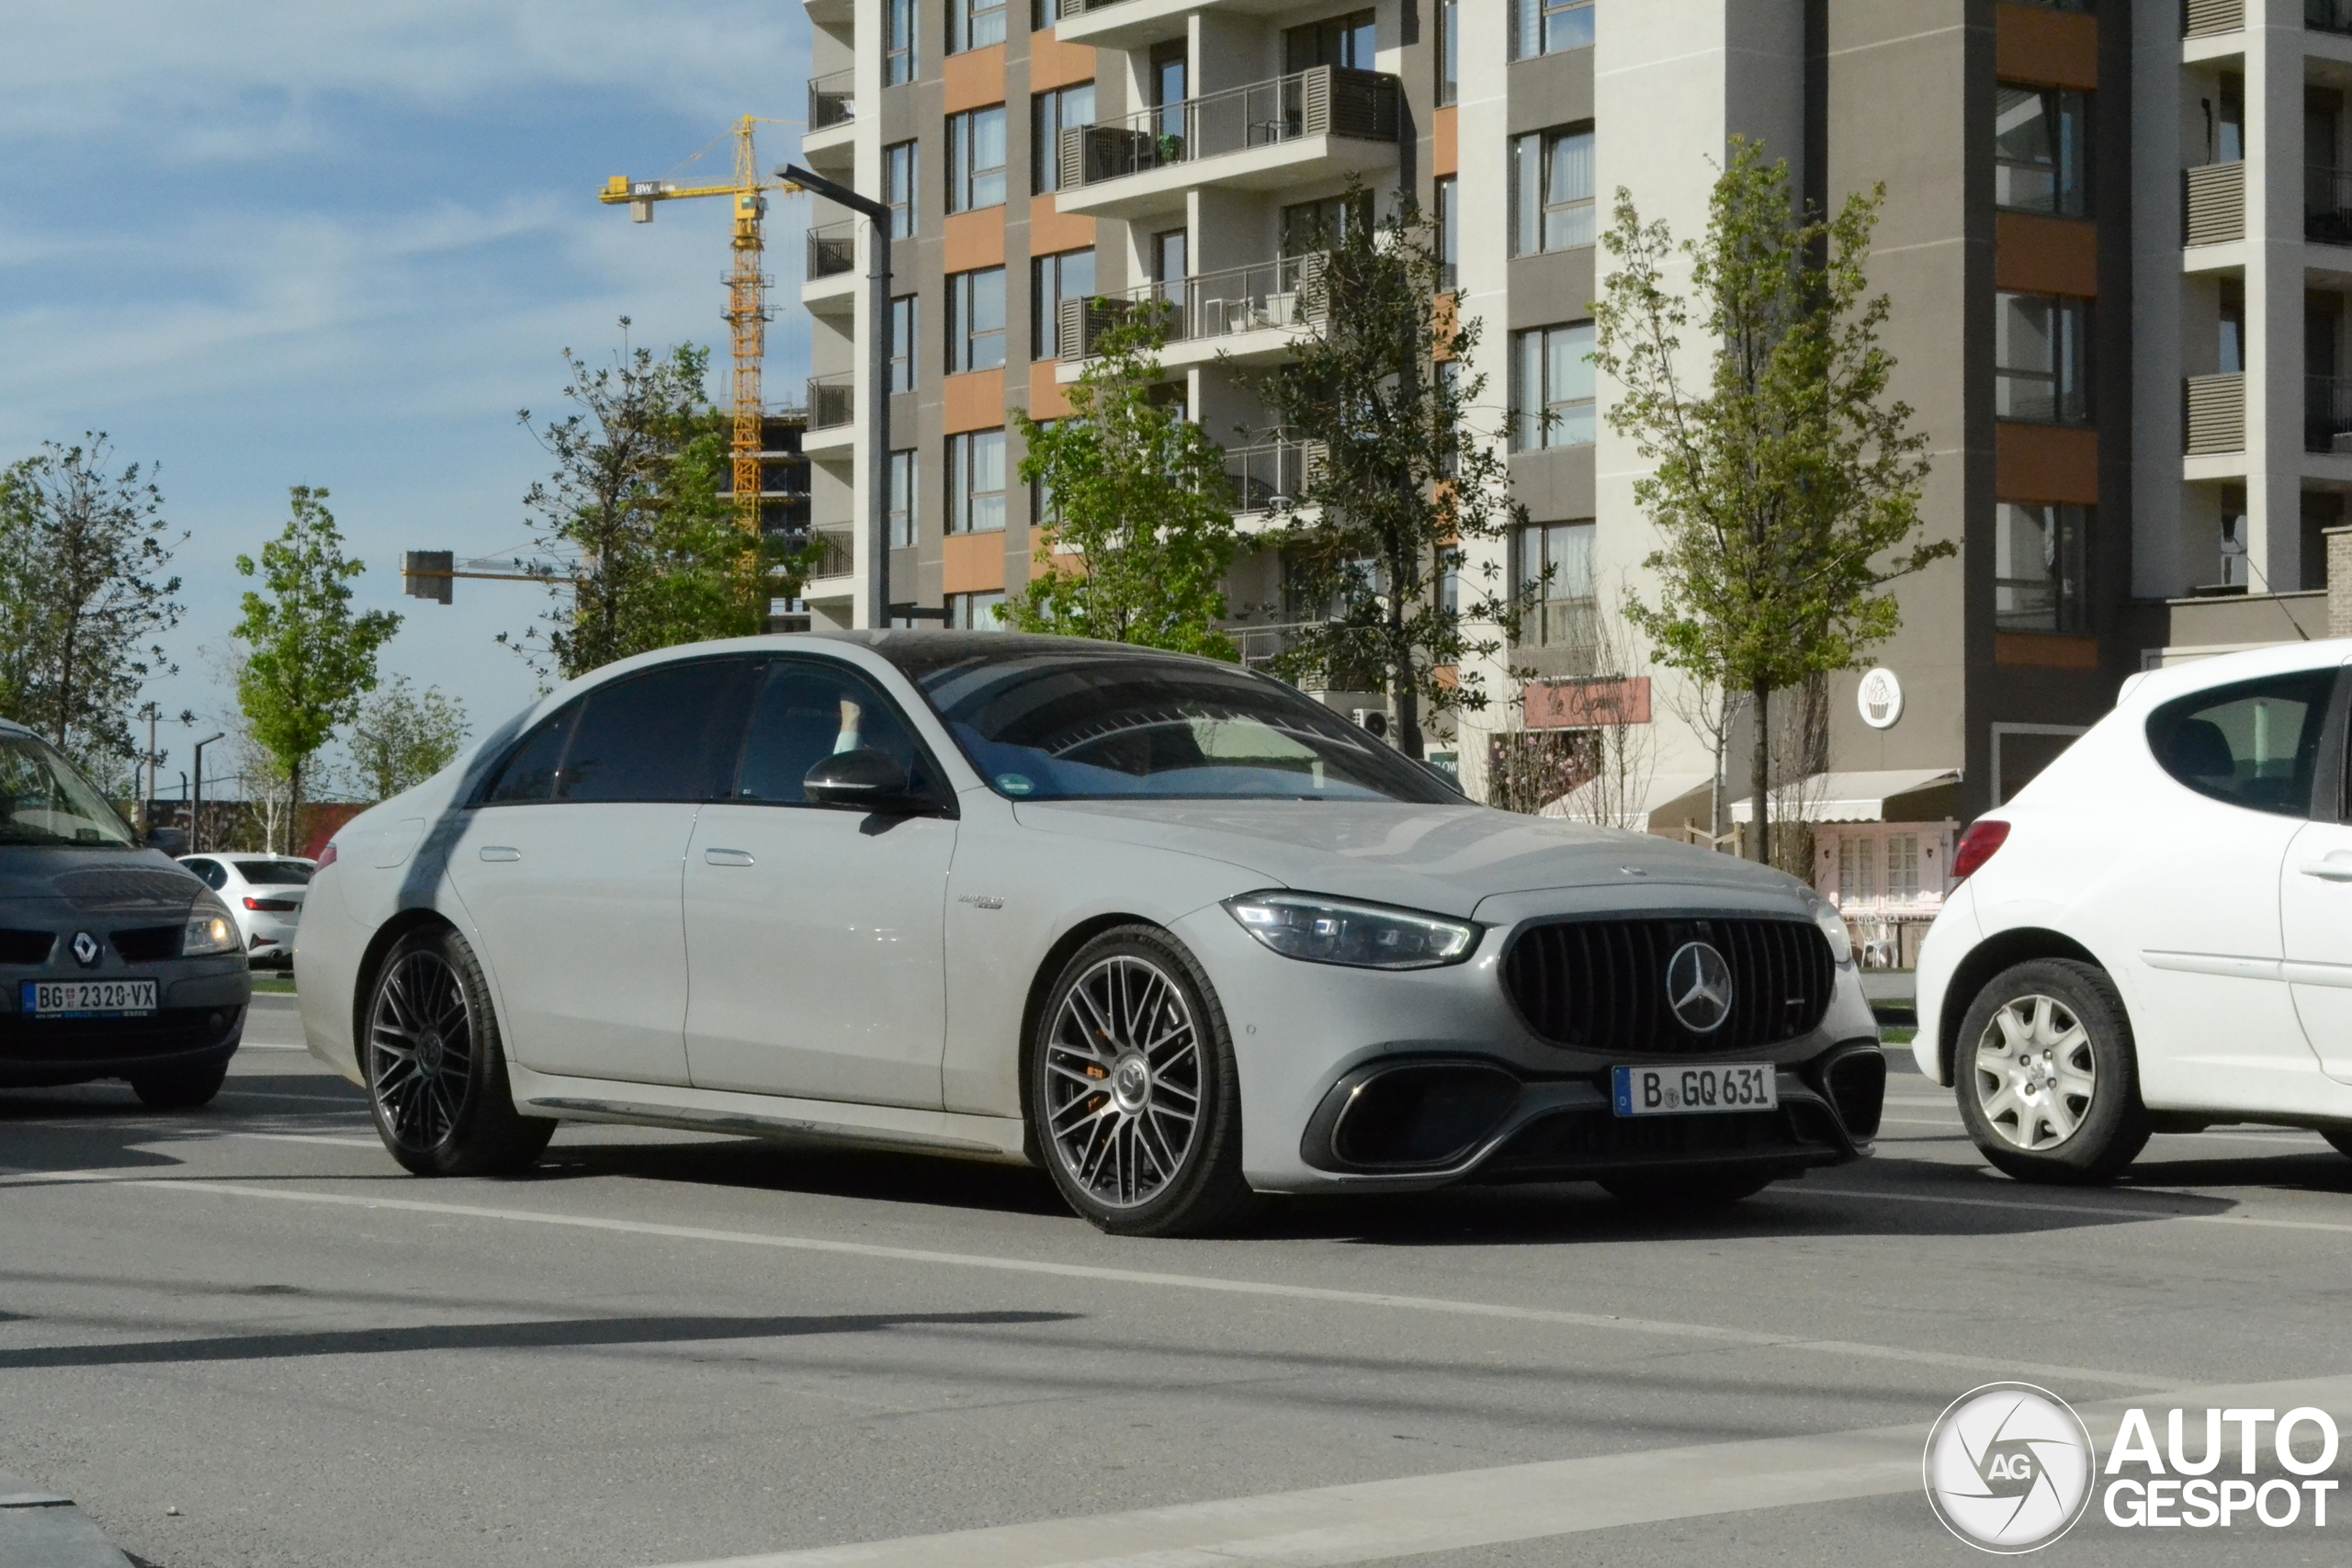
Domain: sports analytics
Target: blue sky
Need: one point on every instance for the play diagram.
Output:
(266, 243)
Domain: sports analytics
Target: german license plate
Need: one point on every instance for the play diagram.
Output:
(88, 998)
(1681, 1090)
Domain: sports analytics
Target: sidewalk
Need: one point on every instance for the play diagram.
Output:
(41, 1529)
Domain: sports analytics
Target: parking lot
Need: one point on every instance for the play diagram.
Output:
(662, 1348)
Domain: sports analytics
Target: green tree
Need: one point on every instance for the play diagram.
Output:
(637, 509)
(400, 737)
(1786, 484)
(1142, 526)
(1377, 528)
(84, 595)
(310, 658)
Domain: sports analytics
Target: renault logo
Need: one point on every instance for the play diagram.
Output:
(86, 949)
(1698, 987)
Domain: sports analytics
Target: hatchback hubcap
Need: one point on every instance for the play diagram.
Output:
(2035, 1074)
(1123, 1081)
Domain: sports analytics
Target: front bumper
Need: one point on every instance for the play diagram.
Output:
(201, 1020)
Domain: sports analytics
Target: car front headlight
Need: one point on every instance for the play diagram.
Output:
(209, 930)
(1362, 936)
(1833, 928)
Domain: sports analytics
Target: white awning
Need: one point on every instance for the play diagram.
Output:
(1845, 797)
(1661, 789)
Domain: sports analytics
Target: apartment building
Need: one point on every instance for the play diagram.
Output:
(2117, 235)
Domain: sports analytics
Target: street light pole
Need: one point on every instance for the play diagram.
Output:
(195, 804)
(876, 453)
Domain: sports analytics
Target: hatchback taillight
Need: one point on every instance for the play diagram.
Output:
(273, 906)
(1976, 846)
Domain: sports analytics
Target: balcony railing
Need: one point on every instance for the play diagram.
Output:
(2215, 205)
(832, 399)
(2216, 413)
(2212, 16)
(2327, 414)
(2327, 203)
(830, 101)
(1329, 100)
(833, 250)
(1271, 475)
(1285, 292)
(836, 553)
(1261, 644)
(2328, 16)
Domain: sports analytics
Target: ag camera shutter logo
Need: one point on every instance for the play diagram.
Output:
(2010, 1467)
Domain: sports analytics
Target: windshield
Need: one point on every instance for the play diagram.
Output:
(1094, 726)
(44, 801)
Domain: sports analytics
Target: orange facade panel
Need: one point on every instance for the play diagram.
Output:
(1053, 63)
(975, 401)
(1049, 399)
(974, 239)
(1050, 230)
(2052, 49)
(974, 79)
(972, 563)
(1445, 142)
(2045, 255)
(1583, 705)
(2045, 651)
(2045, 462)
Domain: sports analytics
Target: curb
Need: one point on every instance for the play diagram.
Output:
(41, 1529)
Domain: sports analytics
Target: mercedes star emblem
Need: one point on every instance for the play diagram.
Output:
(1698, 987)
(86, 949)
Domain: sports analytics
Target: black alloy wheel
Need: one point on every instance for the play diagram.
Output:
(436, 1079)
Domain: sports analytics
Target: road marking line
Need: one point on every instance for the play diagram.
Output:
(377, 1144)
(1848, 1350)
(1367, 1521)
(262, 1045)
(2235, 1218)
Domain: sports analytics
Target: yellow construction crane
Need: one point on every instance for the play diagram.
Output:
(747, 287)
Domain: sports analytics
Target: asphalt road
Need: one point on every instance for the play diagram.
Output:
(662, 1350)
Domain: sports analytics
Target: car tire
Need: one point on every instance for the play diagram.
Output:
(1692, 1191)
(180, 1088)
(2047, 1076)
(434, 1072)
(1155, 1148)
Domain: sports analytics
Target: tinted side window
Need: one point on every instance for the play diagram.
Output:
(652, 737)
(806, 712)
(528, 772)
(210, 870)
(2254, 744)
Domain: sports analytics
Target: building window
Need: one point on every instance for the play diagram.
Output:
(2039, 554)
(1556, 582)
(1311, 226)
(1171, 78)
(1857, 870)
(1449, 232)
(2229, 310)
(1551, 191)
(1169, 250)
(1448, 53)
(1551, 386)
(902, 499)
(899, 62)
(974, 24)
(1050, 114)
(902, 343)
(975, 612)
(1547, 26)
(1349, 42)
(975, 482)
(898, 167)
(975, 159)
(2041, 151)
(976, 321)
(2040, 364)
(1052, 279)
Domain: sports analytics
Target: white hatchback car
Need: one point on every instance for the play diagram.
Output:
(1165, 927)
(264, 893)
(2155, 935)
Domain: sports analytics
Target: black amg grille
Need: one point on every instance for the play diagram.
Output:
(1601, 984)
(148, 944)
(160, 1033)
(1595, 1140)
(26, 947)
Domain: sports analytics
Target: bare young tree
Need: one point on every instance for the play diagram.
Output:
(1621, 748)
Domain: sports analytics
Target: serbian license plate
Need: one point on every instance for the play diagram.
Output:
(1680, 1090)
(88, 998)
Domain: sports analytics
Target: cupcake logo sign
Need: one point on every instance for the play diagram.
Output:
(1879, 698)
(2010, 1467)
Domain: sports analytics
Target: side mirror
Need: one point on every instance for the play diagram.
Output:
(867, 779)
(170, 841)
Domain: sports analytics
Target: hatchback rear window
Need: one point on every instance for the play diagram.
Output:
(2254, 744)
(277, 873)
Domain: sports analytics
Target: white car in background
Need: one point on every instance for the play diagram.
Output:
(264, 893)
(1169, 929)
(2155, 935)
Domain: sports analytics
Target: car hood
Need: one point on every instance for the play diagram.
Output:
(98, 881)
(1443, 858)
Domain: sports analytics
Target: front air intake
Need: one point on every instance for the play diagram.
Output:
(1602, 985)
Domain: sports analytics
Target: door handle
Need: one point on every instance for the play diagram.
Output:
(2334, 868)
(500, 852)
(728, 857)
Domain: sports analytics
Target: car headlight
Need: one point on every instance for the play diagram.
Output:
(1362, 936)
(209, 930)
(1832, 928)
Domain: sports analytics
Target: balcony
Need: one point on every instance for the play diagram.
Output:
(836, 553)
(1247, 314)
(1324, 123)
(2328, 16)
(2215, 205)
(831, 100)
(2327, 203)
(2216, 415)
(2201, 16)
(1133, 24)
(830, 143)
(833, 250)
(2327, 414)
(1270, 475)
